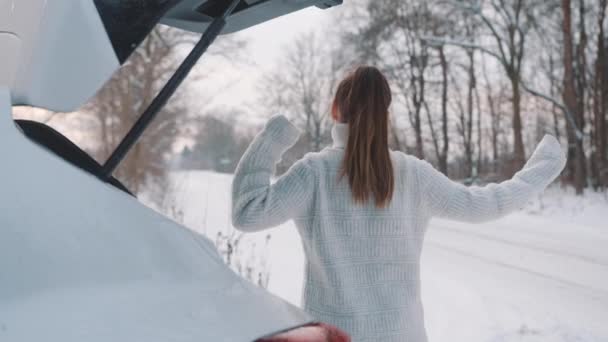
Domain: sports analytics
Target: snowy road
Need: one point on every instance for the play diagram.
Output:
(517, 279)
(540, 275)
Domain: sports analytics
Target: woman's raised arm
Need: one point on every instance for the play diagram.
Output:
(445, 198)
(257, 204)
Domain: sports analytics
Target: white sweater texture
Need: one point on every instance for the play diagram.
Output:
(362, 271)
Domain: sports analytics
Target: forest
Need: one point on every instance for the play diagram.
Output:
(476, 83)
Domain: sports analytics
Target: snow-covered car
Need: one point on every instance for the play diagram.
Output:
(81, 260)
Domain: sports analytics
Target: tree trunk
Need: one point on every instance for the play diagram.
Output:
(468, 126)
(494, 121)
(443, 159)
(418, 101)
(581, 84)
(418, 129)
(600, 100)
(318, 137)
(555, 112)
(434, 137)
(419, 64)
(575, 160)
(479, 135)
(519, 154)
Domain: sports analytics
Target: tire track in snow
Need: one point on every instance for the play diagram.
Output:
(597, 293)
(504, 224)
(524, 245)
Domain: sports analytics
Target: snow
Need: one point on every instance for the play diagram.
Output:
(539, 275)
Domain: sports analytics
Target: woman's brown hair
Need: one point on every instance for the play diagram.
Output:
(362, 101)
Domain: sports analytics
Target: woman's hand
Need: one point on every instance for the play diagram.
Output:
(313, 333)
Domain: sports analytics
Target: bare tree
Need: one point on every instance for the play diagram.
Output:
(466, 118)
(408, 62)
(302, 87)
(442, 27)
(122, 100)
(508, 27)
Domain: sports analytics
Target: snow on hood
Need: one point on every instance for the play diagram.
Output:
(83, 261)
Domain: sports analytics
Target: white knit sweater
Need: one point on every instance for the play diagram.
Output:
(362, 269)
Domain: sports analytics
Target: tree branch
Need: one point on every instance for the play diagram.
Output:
(435, 40)
(568, 114)
(467, 45)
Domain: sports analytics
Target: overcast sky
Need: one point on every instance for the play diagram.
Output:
(234, 85)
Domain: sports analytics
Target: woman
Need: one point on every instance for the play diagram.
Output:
(362, 210)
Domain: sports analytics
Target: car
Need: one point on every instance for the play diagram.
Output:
(80, 258)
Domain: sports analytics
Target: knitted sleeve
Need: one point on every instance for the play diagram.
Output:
(256, 203)
(445, 198)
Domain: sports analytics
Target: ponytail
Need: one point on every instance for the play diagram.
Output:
(362, 101)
